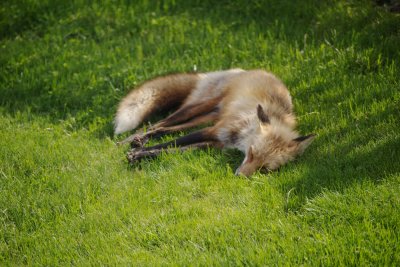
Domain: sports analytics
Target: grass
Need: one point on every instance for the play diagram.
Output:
(68, 197)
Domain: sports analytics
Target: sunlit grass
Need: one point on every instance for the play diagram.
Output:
(68, 196)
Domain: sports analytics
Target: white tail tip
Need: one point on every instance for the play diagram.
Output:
(125, 122)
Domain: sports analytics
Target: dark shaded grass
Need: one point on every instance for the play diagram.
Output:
(90, 93)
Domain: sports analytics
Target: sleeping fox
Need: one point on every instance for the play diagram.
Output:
(248, 110)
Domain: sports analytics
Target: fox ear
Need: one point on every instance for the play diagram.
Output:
(261, 115)
(303, 142)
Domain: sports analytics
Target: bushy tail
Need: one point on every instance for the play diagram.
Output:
(157, 94)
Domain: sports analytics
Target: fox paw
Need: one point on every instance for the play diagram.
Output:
(132, 156)
(138, 154)
(138, 141)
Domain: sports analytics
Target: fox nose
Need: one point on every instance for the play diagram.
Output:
(237, 172)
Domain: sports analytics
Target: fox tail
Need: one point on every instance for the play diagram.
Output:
(154, 95)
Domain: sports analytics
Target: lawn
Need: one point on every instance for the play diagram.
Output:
(69, 197)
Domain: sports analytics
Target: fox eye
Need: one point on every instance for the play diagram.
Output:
(264, 170)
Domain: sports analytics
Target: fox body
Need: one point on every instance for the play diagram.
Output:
(249, 110)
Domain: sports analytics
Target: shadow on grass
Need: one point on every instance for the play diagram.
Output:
(346, 164)
(22, 16)
(287, 20)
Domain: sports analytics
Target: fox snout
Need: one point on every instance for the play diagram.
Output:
(245, 171)
(249, 164)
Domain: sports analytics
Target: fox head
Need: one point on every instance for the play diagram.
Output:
(274, 145)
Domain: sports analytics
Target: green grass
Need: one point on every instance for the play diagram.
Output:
(68, 196)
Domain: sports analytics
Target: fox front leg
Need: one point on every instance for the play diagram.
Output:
(138, 154)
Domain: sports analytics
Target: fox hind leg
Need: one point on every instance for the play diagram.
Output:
(188, 116)
(139, 140)
(189, 111)
(157, 133)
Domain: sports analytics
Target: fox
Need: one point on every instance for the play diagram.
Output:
(248, 110)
